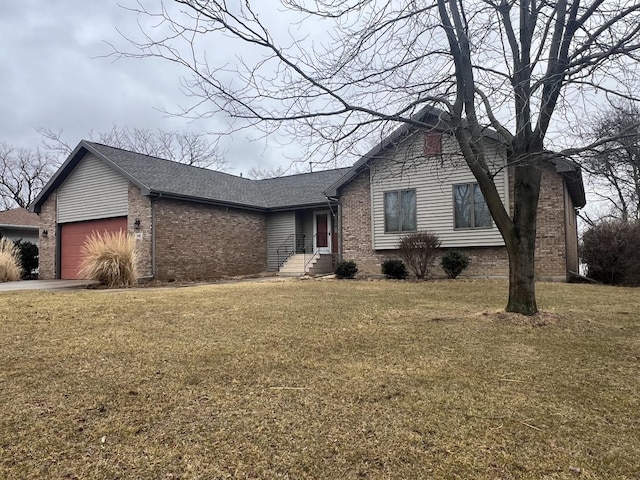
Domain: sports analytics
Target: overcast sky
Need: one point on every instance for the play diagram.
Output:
(52, 76)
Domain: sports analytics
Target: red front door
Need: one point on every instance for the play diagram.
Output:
(322, 230)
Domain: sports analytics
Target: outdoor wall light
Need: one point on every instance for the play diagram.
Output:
(136, 224)
(45, 233)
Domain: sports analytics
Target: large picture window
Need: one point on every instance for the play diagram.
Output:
(470, 209)
(400, 211)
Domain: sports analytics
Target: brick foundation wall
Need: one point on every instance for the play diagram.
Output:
(140, 208)
(195, 241)
(485, 261)
(48, 218)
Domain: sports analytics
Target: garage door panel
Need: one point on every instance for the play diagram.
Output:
(73, 237)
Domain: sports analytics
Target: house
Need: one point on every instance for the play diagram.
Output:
(194, 223)
(20, 224)
(416, 180)
(189, 222)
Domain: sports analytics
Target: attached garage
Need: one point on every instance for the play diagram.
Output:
(73, 236)
(92, 198)
(220, 218)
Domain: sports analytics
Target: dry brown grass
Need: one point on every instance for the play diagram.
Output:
(110, 258)
(10, 269)
(320, 379)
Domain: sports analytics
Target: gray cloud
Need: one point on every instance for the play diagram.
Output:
(55, 75)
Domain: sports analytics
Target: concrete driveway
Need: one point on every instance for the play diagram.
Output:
(43, 285)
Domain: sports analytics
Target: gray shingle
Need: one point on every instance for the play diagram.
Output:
(172, 178)
(301, 189)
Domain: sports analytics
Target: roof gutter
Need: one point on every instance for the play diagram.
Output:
(218, 203)
(20, 227)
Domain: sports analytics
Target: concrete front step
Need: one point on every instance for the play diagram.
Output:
(295, 265)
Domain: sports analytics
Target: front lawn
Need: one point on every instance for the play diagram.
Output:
(322, 380)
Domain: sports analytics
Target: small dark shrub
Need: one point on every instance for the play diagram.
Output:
(394, 269)
(419, 251)
(611, 251)
(29, 257)
(454, 262)
(346, 269)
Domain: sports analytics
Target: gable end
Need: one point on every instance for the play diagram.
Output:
(92, 190)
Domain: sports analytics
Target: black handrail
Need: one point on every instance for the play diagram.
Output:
(303, 245)
(285, 250)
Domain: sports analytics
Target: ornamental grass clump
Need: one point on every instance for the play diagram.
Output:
(10, 270)
(110, 258)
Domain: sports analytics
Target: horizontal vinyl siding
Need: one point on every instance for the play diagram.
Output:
(305, 226)
(92, 191)
(279, 227)
(433, 179)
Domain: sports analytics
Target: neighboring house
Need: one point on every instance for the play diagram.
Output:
(20, 224)
(189, 222)
(193, 223)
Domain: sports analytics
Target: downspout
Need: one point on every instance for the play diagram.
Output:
(340, 259)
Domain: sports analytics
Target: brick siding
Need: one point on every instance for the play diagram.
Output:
(551, 259)
(140, 209)
(485, 261)
(195, 241)
(48, 219)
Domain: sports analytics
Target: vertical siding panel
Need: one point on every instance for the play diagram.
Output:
(92, 191)
(279, 226)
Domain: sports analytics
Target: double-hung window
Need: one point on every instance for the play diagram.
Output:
(470, 208)
(400, 211)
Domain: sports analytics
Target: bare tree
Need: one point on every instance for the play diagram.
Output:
(199, 149)
(614, 165)
(23, 173)
(261, 173)
(522, 68)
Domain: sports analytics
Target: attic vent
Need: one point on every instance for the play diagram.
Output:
(432, 143)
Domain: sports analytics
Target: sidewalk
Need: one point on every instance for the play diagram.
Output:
(42, 285)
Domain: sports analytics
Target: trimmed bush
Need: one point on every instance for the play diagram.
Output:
(29, 258)
(110, 258)
(346, 269)
(395, 269)
(419, 251)
(10, 270)
(454, 262)
(611, 251)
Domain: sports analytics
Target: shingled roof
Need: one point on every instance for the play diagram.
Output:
(19, 217)
(157, 176)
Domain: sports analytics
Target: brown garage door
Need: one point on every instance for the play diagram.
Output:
(73, 236)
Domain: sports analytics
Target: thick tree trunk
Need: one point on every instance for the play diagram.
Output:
(521, 244)
(522, 285)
